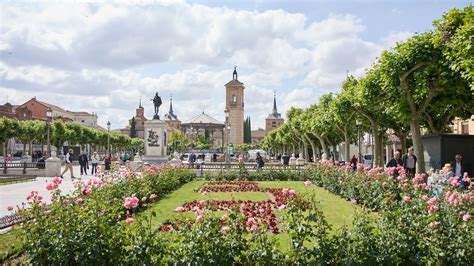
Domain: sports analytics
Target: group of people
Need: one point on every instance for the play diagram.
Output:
(84, 160)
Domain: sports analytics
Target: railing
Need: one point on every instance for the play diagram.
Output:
(22, 165)
(9, 220)
(214, 167)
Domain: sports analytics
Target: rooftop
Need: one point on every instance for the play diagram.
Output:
(203, 118)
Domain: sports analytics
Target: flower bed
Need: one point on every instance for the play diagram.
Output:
(256, 213)
(97, 225)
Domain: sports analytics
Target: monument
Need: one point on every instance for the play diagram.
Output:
(155, 136)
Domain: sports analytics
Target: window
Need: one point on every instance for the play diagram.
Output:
(82, 121)
(234, 99)
(274, 124)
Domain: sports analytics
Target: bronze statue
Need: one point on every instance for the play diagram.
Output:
(157, 102)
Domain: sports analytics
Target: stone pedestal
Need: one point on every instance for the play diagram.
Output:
(52, 166)
(155, 141)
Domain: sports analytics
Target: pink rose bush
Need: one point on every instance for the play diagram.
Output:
(130, 202)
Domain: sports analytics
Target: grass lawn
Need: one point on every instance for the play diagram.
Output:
(9, 244)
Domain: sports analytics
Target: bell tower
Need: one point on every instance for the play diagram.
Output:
(234, 109)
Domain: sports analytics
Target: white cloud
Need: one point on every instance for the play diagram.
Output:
(104, 57)
(391, 40)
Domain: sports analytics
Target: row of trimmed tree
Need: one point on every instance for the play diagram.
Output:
(421, 85)
(36, 131)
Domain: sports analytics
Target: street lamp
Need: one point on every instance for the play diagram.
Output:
(191, 131)
(108, 136)
(359, 124)
(49, 117)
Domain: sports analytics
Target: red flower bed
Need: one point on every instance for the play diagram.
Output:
(256, 212)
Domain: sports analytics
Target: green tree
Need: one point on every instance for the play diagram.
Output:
(247, 131)
(133, 130)
(453, 35)
(414, 74)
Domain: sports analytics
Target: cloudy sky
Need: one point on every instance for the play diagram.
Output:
(104, 56)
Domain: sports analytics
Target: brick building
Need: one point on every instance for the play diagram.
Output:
(274, 119)
(234, 109)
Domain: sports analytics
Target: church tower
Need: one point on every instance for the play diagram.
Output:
(171, 119)
(234, 109)
(274, 119)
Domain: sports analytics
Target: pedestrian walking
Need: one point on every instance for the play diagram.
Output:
(459, 168)
(409, 162)
(68, 164)
(84, 163)
(354, 162)
(95, 161)
(396, 160)
(107, 162)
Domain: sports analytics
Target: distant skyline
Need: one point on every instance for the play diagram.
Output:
(103, 57)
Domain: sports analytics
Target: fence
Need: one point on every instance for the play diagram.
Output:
(221, 167)
(21, 165)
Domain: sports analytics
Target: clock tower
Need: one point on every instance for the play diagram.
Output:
(234, 110)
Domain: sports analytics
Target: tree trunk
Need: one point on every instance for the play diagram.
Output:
(417, 145)
(377, 160)
(313, 146)
(305, 147)
(24, 148)
(347, 146)
(335, 154)
(30, 147)
(323, 144)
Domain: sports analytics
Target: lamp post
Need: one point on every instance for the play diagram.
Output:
(49, 116)
(108, 137)
(227, 137)
(191, 131)
(359, 124)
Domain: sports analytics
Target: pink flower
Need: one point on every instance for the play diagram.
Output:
(466, 217)
(199, 218)
(204, 193)
(180, 209)
(130, 202)
(153, 196)
(49, 186)
(433, 224)
(39, 197)
(281, 207)
(354, 201)
(129, 220)
(424, 197)
(144, 199)
(406, 198)
(86, 191)
(250, 221)
(79, 201)
(66, 201)
(57, 180)
(10, 208)
(48, 212)
(307, 183)
(225, 229)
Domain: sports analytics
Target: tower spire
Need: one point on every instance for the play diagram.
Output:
(274, 103)
(140, 104)
(171, 103)
(234, 75)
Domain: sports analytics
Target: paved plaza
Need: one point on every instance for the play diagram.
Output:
(15, 194)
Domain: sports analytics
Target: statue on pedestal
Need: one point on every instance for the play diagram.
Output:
(157, 103)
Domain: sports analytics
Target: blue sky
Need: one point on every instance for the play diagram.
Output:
(103, 57)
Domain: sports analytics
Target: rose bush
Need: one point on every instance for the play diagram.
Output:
(96, 224)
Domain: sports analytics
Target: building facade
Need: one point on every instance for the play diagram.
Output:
(463, 126)
(204, 125)
(274, 120)
(234, 110)
(139, 120)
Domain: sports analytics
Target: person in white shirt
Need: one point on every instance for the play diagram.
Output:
(95, 161)
(68, 165)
